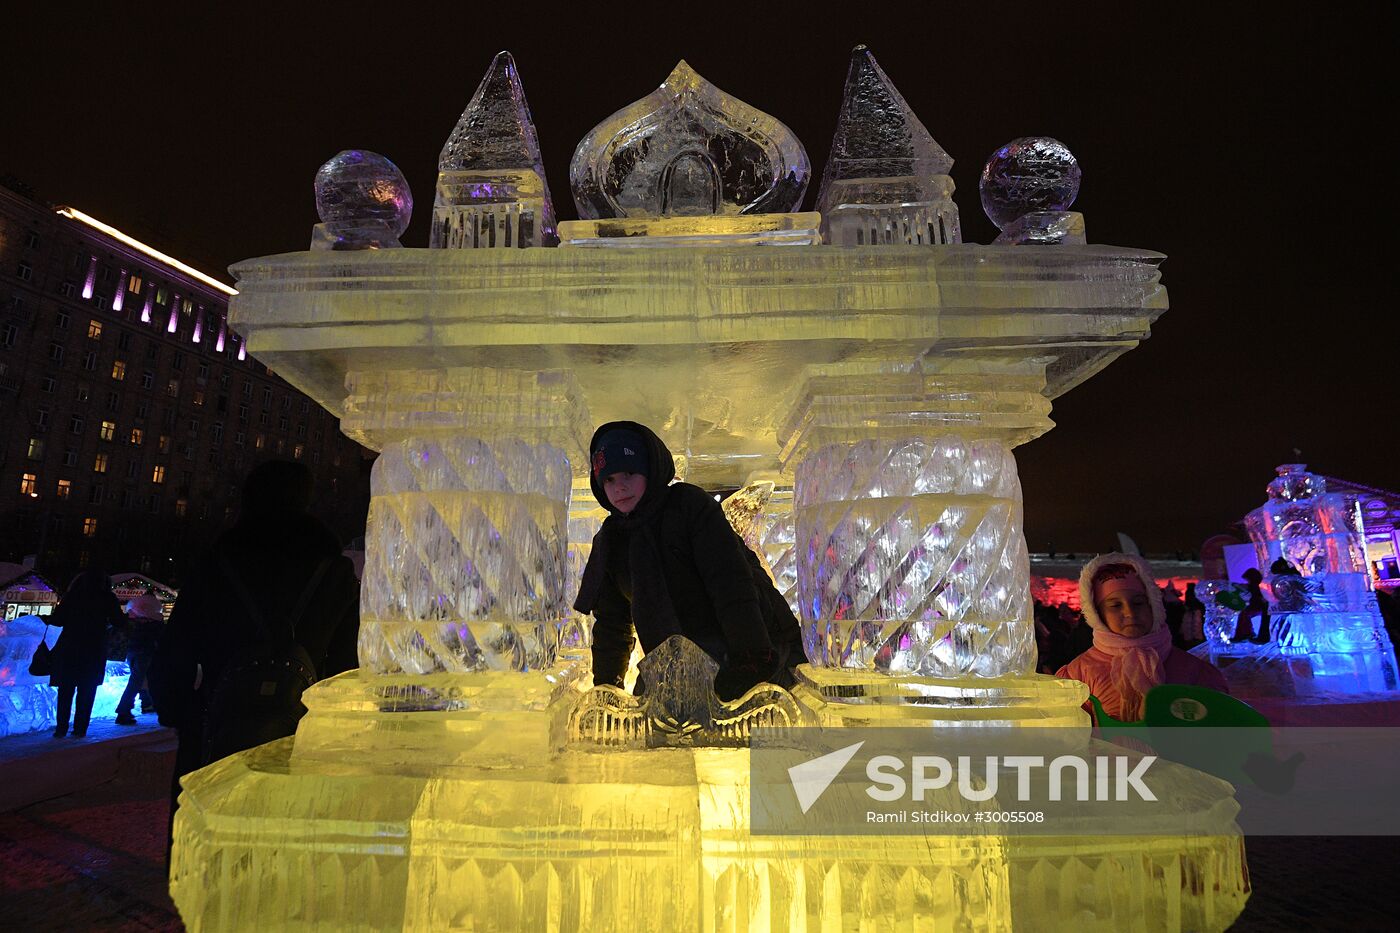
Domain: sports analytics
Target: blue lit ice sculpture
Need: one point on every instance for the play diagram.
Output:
(27, 703)
(1326, 633)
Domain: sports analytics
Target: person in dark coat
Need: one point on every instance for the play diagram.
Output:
(88, 609)
(275, 550)
(667, 562)
(147, 618)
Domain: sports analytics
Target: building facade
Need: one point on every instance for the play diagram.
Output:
(129, 412)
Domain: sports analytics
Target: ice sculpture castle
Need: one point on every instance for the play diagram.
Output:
(860, 371)
(1326, 635)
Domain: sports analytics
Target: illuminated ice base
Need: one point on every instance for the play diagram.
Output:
(419, 821)
(31, 704)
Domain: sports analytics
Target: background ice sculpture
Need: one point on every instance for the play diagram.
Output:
(491, 189)
(363, 201)
(1027, 187)
(866, 401)
(27, 703)
(1326, 634)
(886, 180)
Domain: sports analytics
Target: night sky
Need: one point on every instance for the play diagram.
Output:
(1244, 144)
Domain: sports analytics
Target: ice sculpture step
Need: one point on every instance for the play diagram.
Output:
(648, 841)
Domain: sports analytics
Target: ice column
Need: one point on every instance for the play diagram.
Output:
(907, 507)
(465, 565)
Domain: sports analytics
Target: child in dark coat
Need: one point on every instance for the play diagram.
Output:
(666, 562)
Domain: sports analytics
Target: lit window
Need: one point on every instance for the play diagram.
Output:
(172, 388)
(95, 329)
(134, 285)
(137, 436)
(119, 370)
(199, 396)
(29, 485)
(180, 506)
(258, 442)
(36, 448)
(298, 450)
(158, 474)
(163, 444)
(109, 430)
(100, 464)
(162, 296)
(64, 488)
(89, 527)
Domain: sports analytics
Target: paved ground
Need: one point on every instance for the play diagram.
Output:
(94, 859)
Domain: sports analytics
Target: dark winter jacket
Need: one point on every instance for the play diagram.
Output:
(275, 557)
(674, 565)
(85, 614)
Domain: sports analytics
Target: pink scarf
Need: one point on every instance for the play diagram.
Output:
(1137, 665)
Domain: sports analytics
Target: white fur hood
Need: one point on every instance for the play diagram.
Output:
(1144, 572)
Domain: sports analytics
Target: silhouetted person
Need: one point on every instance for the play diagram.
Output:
(85, 614)
(1193, 623)
(146, 620)
(276, 578)
(1258, 607)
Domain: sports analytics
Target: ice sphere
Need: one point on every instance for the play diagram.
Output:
(363, 200)
(491, 188)
(688, 149)
(1033, 173)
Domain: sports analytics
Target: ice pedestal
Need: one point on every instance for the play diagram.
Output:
(439, 787)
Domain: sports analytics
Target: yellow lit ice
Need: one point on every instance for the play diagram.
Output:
(878, 391)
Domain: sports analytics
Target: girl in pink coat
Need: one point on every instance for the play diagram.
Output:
(1133, 649)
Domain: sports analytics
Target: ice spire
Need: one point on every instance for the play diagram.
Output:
(877, 135)
(886, 180)
(491, 188)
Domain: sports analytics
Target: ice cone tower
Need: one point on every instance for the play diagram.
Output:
(867, 393)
